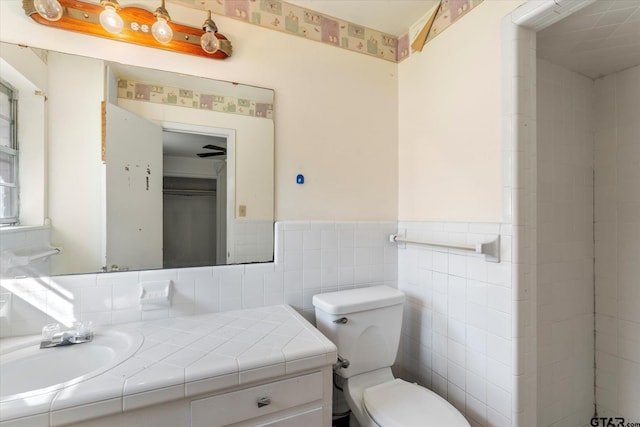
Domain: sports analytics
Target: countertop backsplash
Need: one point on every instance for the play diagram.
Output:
(310, 257)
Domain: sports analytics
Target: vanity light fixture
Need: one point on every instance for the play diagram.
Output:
(51, 10)
(130, 24)
(109, 18)
(160, 29)
(209, 41)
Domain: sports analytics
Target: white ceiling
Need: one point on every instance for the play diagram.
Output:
(601, 39)
(181, 144)
(393, 17)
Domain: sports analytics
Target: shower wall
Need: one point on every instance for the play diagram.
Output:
(617, 244)
(565, 294)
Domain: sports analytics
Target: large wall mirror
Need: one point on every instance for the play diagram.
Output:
(138, 168)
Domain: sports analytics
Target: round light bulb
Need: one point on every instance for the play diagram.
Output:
(111, 21)
(162, 31)
(50, 10)
(209, 42)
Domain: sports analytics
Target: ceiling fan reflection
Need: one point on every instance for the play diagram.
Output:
(216, 151)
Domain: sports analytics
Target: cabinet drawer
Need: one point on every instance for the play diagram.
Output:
(309, 419)
(256, 401)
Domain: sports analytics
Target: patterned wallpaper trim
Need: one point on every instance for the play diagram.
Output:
(295, 20)
(149, 92)
(450, 11)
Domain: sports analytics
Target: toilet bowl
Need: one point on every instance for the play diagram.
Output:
(394, 402)
(365, 326)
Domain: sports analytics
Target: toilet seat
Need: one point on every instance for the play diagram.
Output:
(399, 403)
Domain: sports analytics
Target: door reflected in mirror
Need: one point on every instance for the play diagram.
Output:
(146, 169)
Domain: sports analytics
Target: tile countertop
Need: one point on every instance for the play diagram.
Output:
(184, 357)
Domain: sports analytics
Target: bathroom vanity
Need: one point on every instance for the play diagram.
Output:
(266, 366)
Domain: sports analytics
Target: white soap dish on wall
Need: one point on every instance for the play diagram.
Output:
(155, 295)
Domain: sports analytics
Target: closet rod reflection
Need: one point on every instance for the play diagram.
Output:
(190, 192)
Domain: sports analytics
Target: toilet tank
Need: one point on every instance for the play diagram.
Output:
(364, 324)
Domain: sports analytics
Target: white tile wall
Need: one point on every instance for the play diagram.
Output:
(17, 238)
(519, 124)
(15, 314)
(253, 241)
(457, 328)
(311, 257)
(519, 198)
(565, 246)
(617, 244)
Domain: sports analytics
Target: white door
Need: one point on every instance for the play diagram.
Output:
(133, 191)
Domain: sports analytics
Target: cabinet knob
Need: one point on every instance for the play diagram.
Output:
(264, 401)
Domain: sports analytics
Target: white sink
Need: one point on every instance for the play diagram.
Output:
(27, 370)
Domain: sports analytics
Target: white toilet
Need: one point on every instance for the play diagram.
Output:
(365, 326)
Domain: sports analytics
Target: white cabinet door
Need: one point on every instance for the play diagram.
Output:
(133, 234)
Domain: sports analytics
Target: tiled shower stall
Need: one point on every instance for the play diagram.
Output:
(575, 234)
(588, 245)
(565, 246)
(617, 243)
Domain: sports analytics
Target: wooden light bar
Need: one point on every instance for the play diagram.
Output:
(83, 17)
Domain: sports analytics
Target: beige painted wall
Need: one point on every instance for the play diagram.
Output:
(335, 111)
(450, 122)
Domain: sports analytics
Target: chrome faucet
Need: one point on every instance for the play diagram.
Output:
(53, 337)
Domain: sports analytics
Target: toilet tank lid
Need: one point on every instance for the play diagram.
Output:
(355, 300)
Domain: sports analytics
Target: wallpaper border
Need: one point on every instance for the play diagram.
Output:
(299, 21)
